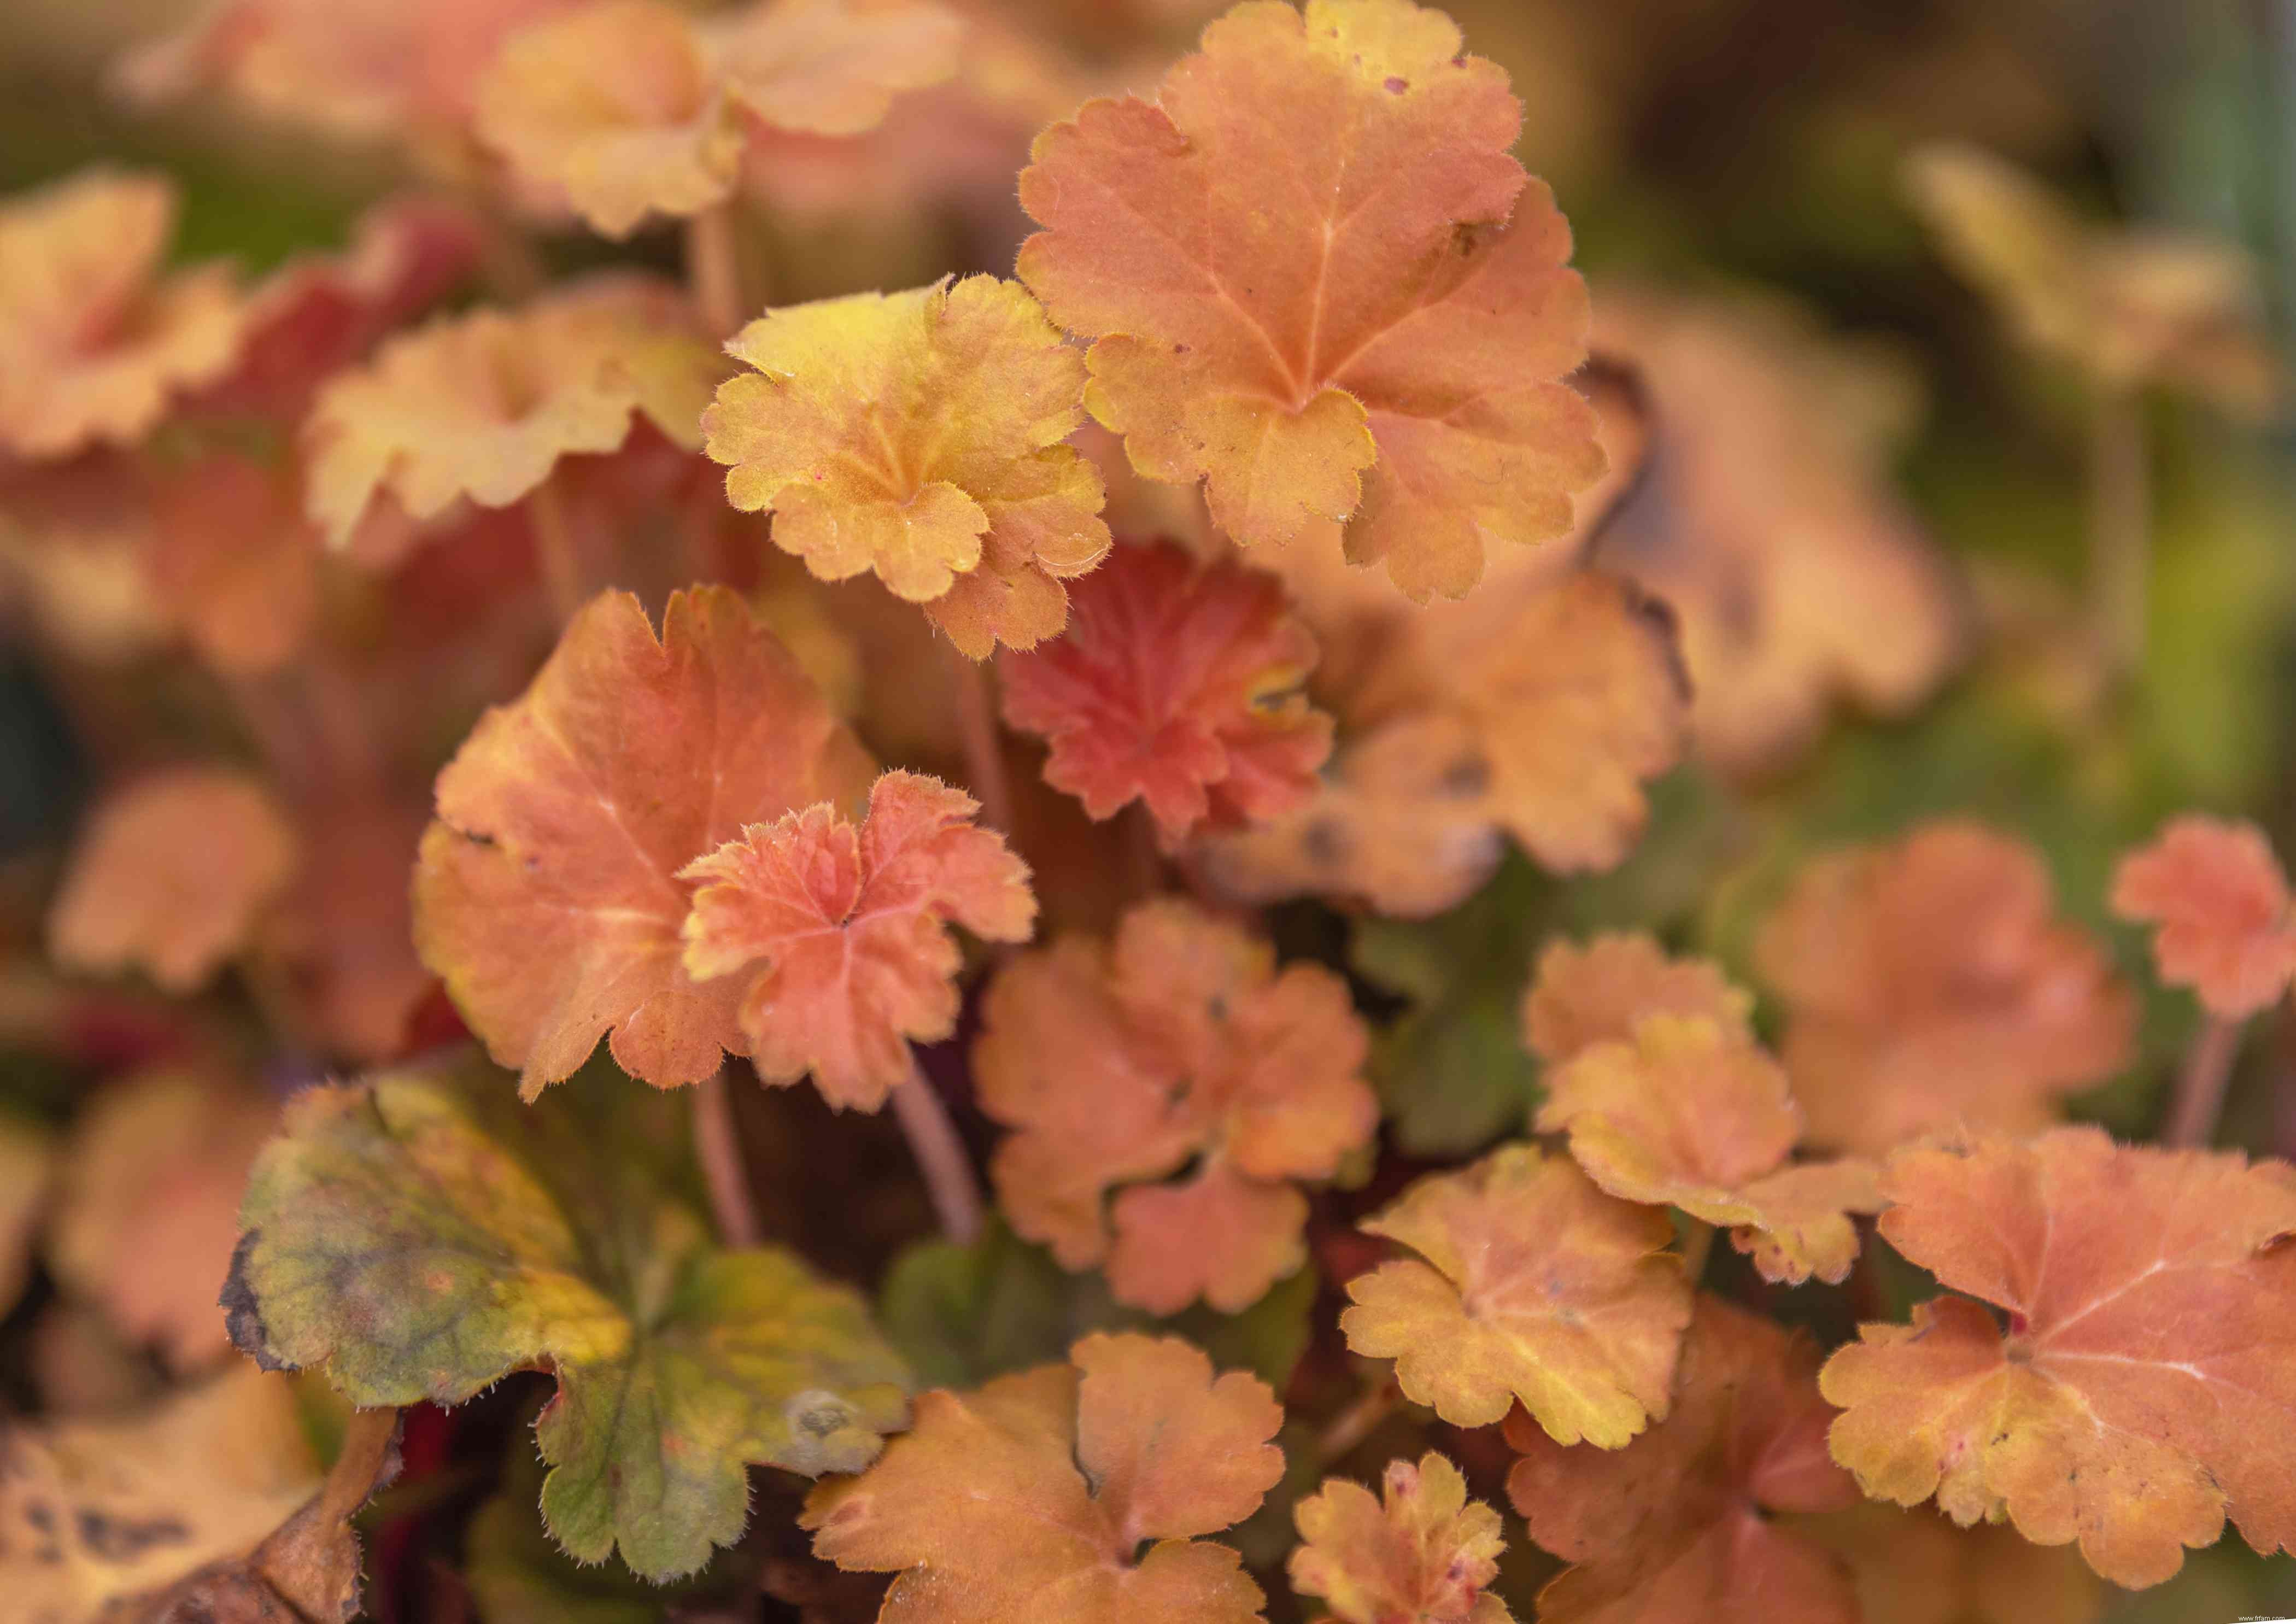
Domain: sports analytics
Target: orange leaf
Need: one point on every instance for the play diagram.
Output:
(172, 875)
(1180, 1042)
(2221, 903)
(234, 556)
(1033, 1497)
(918, 435)
(1316, 281)
(2148, 1369)
(546, 893)
(1176, 684)
(852, 925)
(1693, 1115)
(1423, 1557)
(94, 341)
(1916, 1567)
(1538, 1287)
(1580, 996)
(1928, 985)
(1680, 1524)
(483, 405)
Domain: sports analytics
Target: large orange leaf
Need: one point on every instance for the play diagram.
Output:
(1177, 684)
(1929, 986)
(1316, 279)
(173, 875)
(918, 435)
(847, 928)
(1422, 1555)
(1072, 1492)
(1537, 1287)
(2146, 1377)
(1680, 1524)
(1691, 1114)
(2216, 894)
(1179, 1044)
(546, 893)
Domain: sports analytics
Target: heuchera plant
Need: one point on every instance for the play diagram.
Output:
(1253, 721)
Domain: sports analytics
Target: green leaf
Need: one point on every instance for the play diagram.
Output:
(963, 1315)
(419, 1235)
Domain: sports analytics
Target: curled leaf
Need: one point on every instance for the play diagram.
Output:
(1692, 1114)
(172, 875)
(2150, 1355)
(1422, 1556)
(851, 923)
(919, 435)
(2220, 904)
(1035, 1495)
(1536, 1287)
(1929, 985)
(418, 1235)
(547, 893)
(1176, 684)
(1683, 1521)
(1180, 1046)
(1316, 281)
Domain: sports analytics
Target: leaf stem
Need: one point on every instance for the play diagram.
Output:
(2201, 1082)
(976, 726)
(1355, 1423)
(713, 268)
(2119, 526)
(717, 1146)
(555, 550)
(1697, 1246)
(941, 1156)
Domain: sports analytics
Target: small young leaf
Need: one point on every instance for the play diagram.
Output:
(848, 929)
(2217, 893)
(2149, 1363)
(419, 1235)
(1034, 1497)
(1537, 1287)
(1422, 1556)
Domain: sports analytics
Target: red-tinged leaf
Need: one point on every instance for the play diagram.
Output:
(1422, 1557)
(172, 876)
(852, 925)
(1177, 684)
(2148, 1370)
(1680, 1523)
(1316, 281)
(548, 895)
(1693, 1115)
(1178, 1045)
(1929, 986)
(2220, 902)
(1537, 1288)
(1034, 1497)
(233, 555)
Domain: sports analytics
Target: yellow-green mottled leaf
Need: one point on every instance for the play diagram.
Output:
(420, 1234)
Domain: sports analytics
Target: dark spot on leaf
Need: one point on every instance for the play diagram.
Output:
(119, 1539)
(1466, 778)
(242, 1315)
(1325, 842)
(1397, 85)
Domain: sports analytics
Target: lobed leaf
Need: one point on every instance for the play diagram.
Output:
(547, 894)
(1537, 1288)
(1073, 1491)
(2149, 1357)
(1178, 1046)
(1316, 281)
(1580, 996)
(919, 435)
(848, 928)
(418, 1235)
(1176, 684)
(2221, 906)
(1421, 1554)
